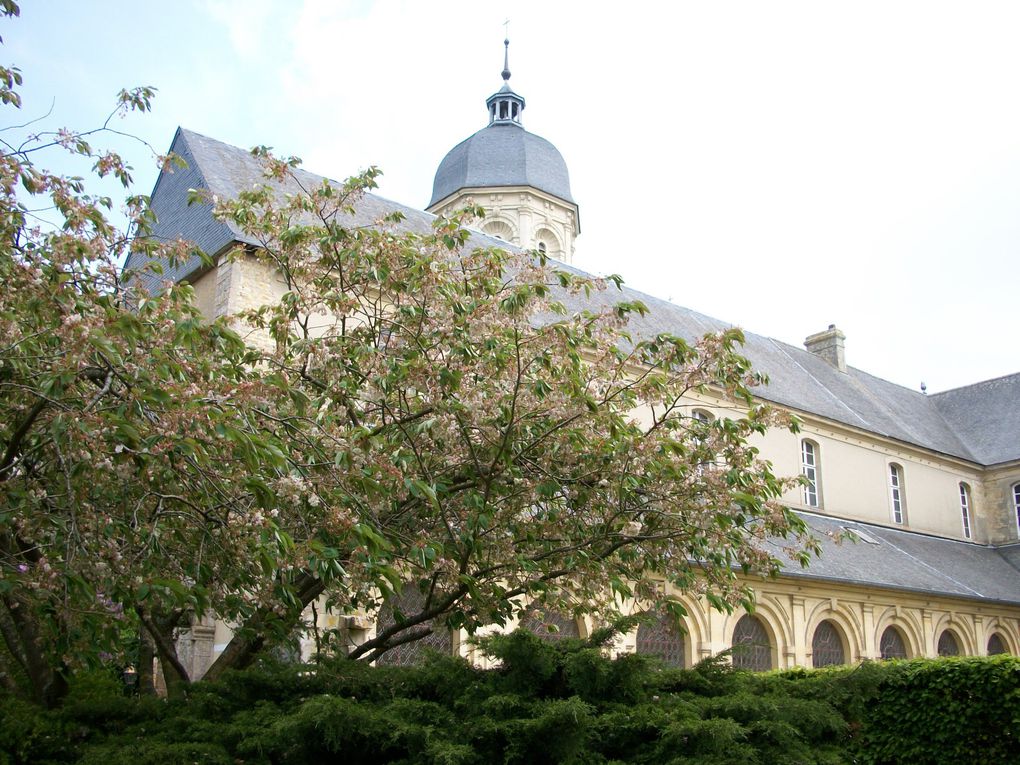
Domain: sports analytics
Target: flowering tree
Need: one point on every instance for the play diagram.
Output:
(460, 432)
(426, 416)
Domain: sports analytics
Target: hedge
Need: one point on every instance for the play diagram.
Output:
(562, 703)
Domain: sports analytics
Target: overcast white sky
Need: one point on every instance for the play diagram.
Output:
(779, 165)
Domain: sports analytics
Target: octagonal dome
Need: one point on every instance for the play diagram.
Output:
(502, 154)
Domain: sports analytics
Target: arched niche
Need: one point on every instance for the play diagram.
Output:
(500, 229)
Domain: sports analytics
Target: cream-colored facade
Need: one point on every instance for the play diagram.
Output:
(526, 217)
(853, 468)
(930, 485)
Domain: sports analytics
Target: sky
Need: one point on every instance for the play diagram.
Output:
(779, 165)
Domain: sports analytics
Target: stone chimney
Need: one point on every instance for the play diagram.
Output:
(828, 345)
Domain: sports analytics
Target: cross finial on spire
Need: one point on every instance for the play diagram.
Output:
(506, 51)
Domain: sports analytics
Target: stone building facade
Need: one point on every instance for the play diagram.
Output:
(929, 484)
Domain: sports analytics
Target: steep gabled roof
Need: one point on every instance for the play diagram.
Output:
(979, 423)
(986, 417)
(905, 560)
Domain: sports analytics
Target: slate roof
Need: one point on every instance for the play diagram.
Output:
(986, 417)
(979, 423)
(904, 560)
(502, 154)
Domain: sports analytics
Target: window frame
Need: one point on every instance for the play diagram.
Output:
(892, 629)
(1016, 505)
(896, 494)
(966, 503)
(752, 659)
(948, 644)
(817, 652)
(810, 468)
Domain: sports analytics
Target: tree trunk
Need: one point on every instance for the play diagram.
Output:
(47, 685)
(161, 631)
(250, 638)
(146, 655)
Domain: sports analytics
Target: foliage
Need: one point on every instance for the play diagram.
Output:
(947, 710)
(410, 413)
(446, 711)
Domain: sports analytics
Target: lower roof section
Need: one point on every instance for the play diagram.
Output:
(894, 559)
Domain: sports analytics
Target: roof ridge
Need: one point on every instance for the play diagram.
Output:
(975, 384)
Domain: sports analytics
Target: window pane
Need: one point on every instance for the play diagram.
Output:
(752, 649)
(809, 469)
(965, 508)
(892, 645)
(996, 645)
(549, 625)
(410, 602)
(948, 645)
(661, 638)
(826, 646)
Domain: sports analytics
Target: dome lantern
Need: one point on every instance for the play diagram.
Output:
(504, 105)
(518, 177)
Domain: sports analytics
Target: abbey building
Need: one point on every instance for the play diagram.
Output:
(928, 484)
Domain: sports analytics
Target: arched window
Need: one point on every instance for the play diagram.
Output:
(1016, 505)
(948, 645)
(702, 415)
(409, 603)
(662, 638)
(896, 492)
(965, 508)
(996, 645)
(551, 626)
(809, 469)
(827, 646)
(752, 648)
(541, 247)
(892, 645)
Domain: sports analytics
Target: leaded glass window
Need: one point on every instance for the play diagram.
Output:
(410, 602)
(948, 645)
(996, 645)
(549, 625)
(827, 646)
(752, 648)
(892, 645)
(662, 638)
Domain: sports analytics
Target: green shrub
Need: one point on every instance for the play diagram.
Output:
(546, 703)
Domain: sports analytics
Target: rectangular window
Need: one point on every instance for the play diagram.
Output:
(965, 508)
(896, 493)
(809, 469)
(1016, 505)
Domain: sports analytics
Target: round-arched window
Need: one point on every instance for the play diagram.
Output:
(752, 648)
(892, 645)
(408, 603)
(551, 626)
(948, 644)
(661, 638)
(827, 646)
(996, 645)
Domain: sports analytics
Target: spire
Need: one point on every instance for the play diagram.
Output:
(504, 105)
